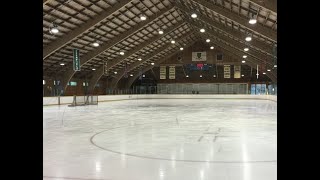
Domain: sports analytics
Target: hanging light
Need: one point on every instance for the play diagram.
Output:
(173, 41)
(202, 30)
(244, 56)
(208, 40)
(160, 31)
(95, 44)
(181, 48)
(194, 15)
(143, 17)
(252, 20)
(211, 47)
(246, 49)
(248, 38)
(54, 29)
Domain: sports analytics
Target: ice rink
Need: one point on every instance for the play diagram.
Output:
(161, 139)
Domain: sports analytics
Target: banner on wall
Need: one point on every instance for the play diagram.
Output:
(237, 71)
(172, 72)
(76, 60)
(227, 71)
(199, 56)
(163, 72)
(105, 67)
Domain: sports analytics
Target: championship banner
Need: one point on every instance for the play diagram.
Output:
(126, 71)
(172, 72)
(76, 60)
(163, 72)
(237, 71)
(226, 71)
(199, 56)
(105, 68)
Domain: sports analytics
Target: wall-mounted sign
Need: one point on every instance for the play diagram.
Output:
(163, 72)
(199, 56)
(76, 60)
(227, 72)
(237, 71)
(172, 72)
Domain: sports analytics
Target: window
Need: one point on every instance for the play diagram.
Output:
(258, 89)
(219, 57)
(253, 89)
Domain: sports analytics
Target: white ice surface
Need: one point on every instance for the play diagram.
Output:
(162, 139)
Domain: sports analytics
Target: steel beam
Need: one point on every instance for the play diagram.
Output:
(87, 57)
(60, 42)
(258, 28)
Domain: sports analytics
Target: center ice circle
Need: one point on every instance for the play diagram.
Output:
(189, 142)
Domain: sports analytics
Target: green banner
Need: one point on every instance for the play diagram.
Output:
(76, 60)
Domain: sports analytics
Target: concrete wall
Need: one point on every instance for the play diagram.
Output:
(105, 98)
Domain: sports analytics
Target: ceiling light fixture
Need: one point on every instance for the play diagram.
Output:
(173, 41)
(243, 61)
(252, 21)
(143, 17)
(152, 63)
(194, 15)
(93, 69)
(160, 32)
(268, 70)
(275, 65)
(121, 53)
(187, 76)
(200, 75)
(54, 29)
(139, 59)
(202, 30)
(181, 48)
(263, 73)
(242, 75)
(244, 56)
(208, 40)
(62, 64)
(95, 44)
(248, 38)
(131, 75)
(246, 49)
(211, 47)
(115, 72)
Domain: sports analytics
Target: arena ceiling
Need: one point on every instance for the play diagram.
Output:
(102, 29)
